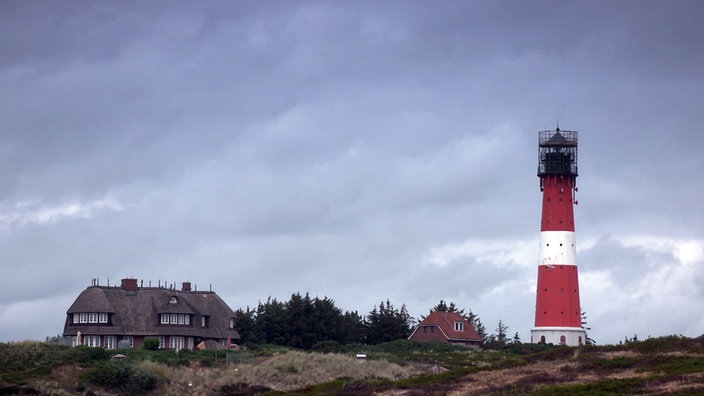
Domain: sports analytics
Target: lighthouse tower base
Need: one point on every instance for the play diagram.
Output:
(570, 336)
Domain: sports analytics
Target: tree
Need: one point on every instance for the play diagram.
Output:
(499, 339)
(301, 322)
(352, 329)
(477, 324)
(245, 323)
(588, 340)
(443, 307)
(272, 324)
(501, 333)
(516, 339)
(387, 323)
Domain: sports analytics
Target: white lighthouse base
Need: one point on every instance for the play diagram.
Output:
(570, 336)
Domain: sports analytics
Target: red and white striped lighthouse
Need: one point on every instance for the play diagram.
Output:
(558, 318)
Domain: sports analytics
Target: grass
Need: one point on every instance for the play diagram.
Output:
(666, 365)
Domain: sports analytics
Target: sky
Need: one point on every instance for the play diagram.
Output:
(359, 150)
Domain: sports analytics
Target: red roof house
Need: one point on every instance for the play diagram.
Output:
(447, 327)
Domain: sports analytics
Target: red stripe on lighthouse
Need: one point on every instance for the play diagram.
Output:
(557, 297)
(558, 212)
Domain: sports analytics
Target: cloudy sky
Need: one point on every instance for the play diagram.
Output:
(356, 150)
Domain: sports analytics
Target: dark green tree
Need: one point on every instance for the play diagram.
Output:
(387, 323)
(443, 307)
(245, 323)
(497, 340)
(353, 328)
(299, 313)
(501, 330)
(272, 323)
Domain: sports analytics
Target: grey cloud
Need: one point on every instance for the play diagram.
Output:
(328, 147)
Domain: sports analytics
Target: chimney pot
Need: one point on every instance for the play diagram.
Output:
(186, 286)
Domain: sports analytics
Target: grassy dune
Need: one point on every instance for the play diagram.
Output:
(660, 366)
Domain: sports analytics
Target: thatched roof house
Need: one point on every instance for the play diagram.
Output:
(123, 316)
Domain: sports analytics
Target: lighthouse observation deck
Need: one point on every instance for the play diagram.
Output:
(557, 153)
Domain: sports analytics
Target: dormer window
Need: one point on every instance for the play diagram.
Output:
(176, 319)
(90, 317)
(459, 326)
(173, 300)
(232, 323)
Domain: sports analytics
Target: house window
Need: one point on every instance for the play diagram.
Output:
(459, 326)
(176, 343)
(92, 317)
(109, 342)
(563, 340)
(103, 317)
(83, 317)
(173, 300)
(181, 319)
(232, 323)
(162, 342)
(91, 341)
(130, 339)
(203, 321)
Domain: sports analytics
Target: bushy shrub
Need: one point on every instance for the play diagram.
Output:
(151, 344)
(121, 377)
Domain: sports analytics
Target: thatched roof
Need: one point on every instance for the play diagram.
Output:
(137, 313)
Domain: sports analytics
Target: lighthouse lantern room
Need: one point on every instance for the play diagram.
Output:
(558, 318)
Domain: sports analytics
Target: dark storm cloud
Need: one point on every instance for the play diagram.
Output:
(341, 148)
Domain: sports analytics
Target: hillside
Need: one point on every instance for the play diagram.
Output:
(671, 365)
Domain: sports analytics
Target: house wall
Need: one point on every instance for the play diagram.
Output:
(428, 333)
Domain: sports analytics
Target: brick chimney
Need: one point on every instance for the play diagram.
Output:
(129, 284)
(186, 286)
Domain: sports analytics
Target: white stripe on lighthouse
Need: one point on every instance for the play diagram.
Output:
(557, 248)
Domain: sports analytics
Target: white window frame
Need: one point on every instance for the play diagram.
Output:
(110, 342)
(91, 341)
(187, 319)
(83, 317)
(180, 319)
(92, 317)
(176, 343)
(102, 317)
(130, 339)
(76, 318)
(164, 318)
(162, 342)
(459, 326)
(203, 321)
(173, 300)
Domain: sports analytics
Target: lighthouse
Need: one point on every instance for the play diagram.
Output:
(558, 318)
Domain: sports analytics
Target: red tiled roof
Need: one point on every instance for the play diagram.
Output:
(446, 322)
